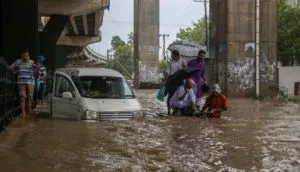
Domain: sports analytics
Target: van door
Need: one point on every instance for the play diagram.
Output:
(65, 103)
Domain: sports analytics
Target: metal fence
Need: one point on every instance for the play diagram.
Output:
(9, 99)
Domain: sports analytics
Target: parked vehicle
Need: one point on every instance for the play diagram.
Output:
(130, 83)
(92, 94)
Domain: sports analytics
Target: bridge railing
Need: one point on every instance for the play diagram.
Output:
(9, 99)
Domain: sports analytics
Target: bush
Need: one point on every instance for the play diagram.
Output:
(163, 66)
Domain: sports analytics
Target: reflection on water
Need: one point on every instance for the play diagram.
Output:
(252, 136)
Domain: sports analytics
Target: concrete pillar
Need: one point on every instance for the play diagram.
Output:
(49, 37)
(19, 28)
(61, 53)
(148, 38)
(232, 44)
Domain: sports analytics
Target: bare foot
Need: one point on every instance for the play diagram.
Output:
(23, 116)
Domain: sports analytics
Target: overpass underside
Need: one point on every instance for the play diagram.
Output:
(53, 28)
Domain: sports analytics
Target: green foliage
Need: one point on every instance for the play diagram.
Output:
(117, 42)
(123, 57)
(130, 39)
(163, 66)
(194, 34)
(283, 93)
(288, 27)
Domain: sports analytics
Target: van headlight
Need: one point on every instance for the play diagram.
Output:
(90, 115)
(138, 114)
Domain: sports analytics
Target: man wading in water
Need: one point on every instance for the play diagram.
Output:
(198, 77)
(177, 63)
(24, 69)
(183, 101)
(215, 103)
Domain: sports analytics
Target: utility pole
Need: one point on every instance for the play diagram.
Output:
(205, 18)
(257, 41)
(164, 44)
(136, 43)
(108, 51)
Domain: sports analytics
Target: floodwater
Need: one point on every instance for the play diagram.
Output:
(251, 136)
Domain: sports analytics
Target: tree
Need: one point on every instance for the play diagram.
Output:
(288, 27)
(123, 57)
(162, 66)
(130, 39)
(117, 42)
(194, 34)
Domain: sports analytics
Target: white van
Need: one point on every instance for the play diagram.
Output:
(92, 94)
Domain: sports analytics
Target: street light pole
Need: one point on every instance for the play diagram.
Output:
(206, 25)
(257, 40)
(164, 44)
(136, 43)
(108, 50)
(205, 18)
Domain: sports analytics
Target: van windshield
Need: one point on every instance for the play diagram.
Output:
(104, 87)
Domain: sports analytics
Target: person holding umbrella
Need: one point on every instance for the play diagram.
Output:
(199, 76)
(175, 64)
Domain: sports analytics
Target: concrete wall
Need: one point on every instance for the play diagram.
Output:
(288, 76)
(148, 35)
(234, 45)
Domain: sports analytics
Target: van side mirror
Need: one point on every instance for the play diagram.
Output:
(67, 95)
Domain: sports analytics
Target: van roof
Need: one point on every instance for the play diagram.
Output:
(82, 71)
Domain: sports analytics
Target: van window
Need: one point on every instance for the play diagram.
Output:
(104, 87)
(62, 84)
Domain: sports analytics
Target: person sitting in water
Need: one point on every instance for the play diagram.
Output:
(215, 103)
(184, 99)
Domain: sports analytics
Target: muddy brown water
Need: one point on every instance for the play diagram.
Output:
(251, 136)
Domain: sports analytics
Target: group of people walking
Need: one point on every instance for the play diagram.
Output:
(31, 81)
(185, 92)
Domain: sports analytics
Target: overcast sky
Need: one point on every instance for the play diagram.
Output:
(174, 14)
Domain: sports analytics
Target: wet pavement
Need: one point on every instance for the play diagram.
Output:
(251, 136)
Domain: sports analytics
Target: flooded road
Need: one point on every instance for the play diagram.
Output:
(251, 136)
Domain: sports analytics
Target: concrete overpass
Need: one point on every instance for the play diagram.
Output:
(53, 28)
(85, 57)
(84, 18)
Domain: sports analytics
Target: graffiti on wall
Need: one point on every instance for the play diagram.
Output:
(148, 73)
(241, 71)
